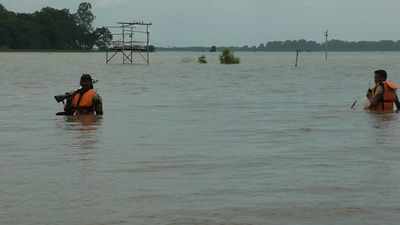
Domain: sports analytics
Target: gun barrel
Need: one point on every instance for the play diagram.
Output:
(60, 98)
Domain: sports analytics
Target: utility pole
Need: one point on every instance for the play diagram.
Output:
(326, 45)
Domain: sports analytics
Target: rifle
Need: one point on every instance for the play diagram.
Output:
(66, 99)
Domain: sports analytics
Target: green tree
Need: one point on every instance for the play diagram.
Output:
(6, 21)
(102, 37)
(2, 9)
(57, 28)
(84, 19)
(51, 28)
(84, 16)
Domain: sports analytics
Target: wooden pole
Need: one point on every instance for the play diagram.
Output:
(326, 45)
(297, 58)
(147, 44)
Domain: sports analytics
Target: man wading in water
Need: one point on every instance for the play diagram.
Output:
(84, 101)
(383, 96)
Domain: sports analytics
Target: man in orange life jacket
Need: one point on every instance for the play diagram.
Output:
(383, 97)
(86, 101)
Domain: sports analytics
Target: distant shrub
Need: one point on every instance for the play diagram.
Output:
(202, 59)
(213, 48)
(228, 57)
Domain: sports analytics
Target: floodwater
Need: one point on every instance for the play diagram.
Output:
(187, 144)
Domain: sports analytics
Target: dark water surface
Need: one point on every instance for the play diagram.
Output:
(183, 144)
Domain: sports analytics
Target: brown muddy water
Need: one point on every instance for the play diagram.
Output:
(187, 144)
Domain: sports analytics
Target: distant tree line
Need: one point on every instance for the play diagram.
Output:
(52, 28)
(304, 45)
(332, 45)
(59, 29)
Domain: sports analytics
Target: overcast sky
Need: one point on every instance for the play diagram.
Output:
(242, 22)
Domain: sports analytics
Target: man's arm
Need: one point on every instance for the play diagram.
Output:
(374, 101)
(98, 105)
(397, 102)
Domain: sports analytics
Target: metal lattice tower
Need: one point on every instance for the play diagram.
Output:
(131, 40)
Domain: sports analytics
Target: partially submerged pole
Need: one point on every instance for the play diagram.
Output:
(326, 45)
(297, 57)
(147, 44)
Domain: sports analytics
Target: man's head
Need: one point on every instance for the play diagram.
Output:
(380, 76)
(86, 81)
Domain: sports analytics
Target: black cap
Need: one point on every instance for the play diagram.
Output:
(86, 77)
(382, 73)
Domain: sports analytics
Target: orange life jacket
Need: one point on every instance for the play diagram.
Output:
(386, 105)
(84, 103)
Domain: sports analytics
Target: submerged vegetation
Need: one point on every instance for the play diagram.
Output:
(50, 28)
(227, 57)
(202, 59)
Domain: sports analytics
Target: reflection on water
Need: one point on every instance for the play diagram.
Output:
(383, 121)
(383, 127)
(84, 135)
(86, 122)
(83, 130)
